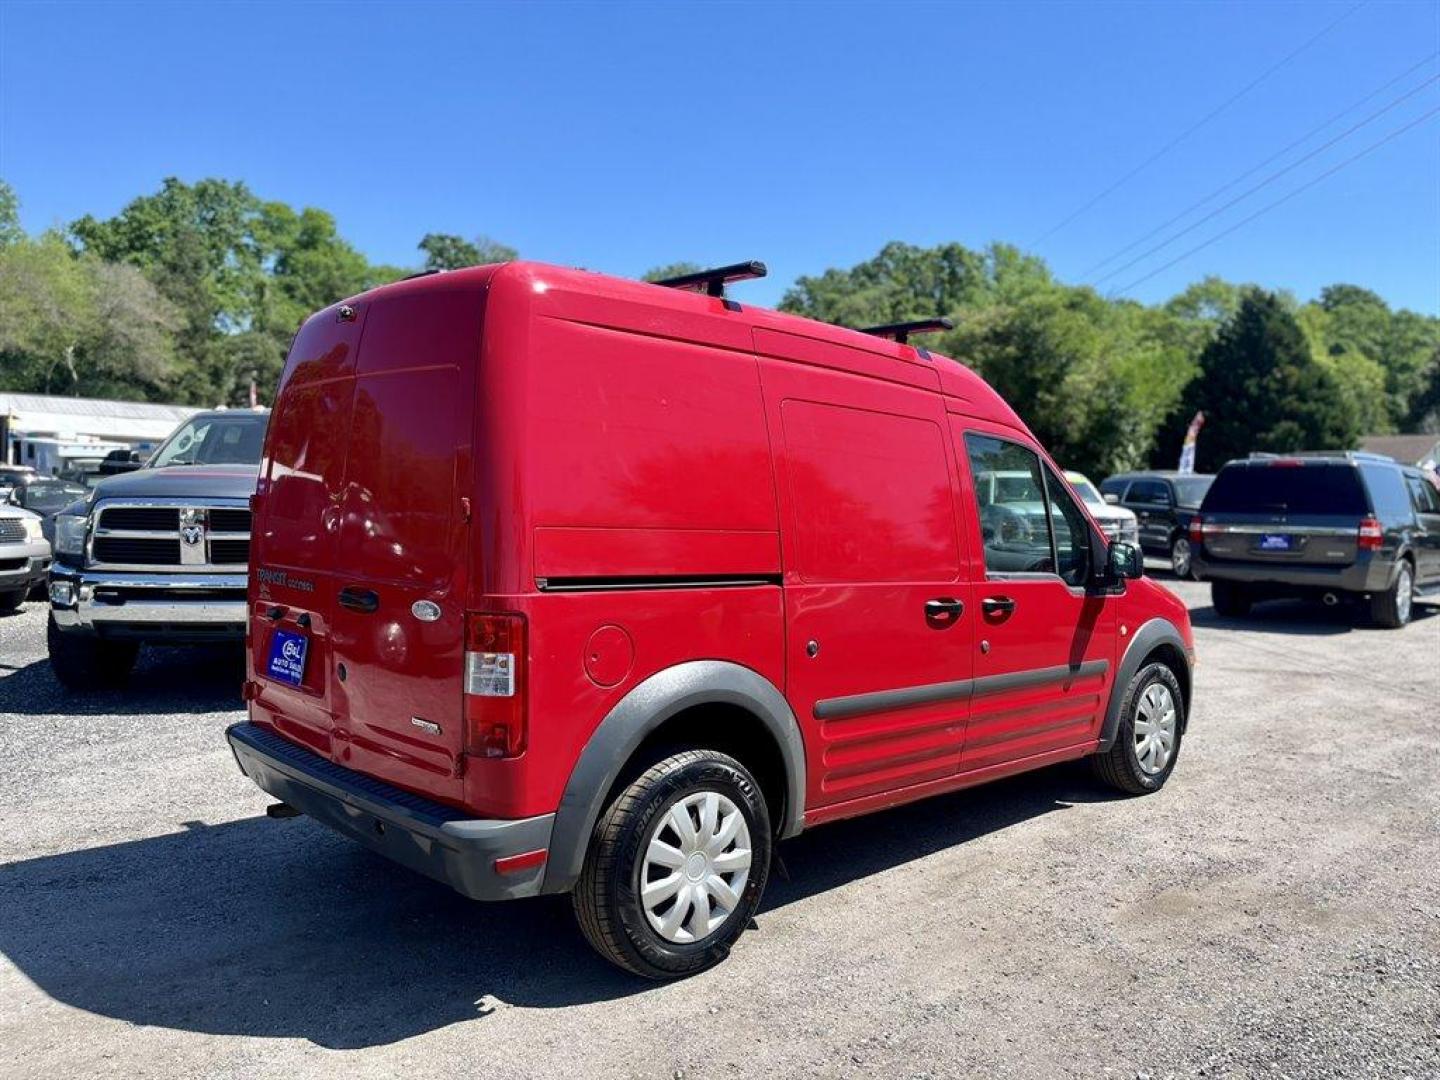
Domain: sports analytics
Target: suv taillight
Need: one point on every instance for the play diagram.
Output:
(1371, 535)
(1197, 529)
(494, 684)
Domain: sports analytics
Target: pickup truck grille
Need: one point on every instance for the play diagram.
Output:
(186, 537)
(11, 530)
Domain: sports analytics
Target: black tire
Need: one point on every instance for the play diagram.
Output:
(1230, 599)
(9, 601)
(1386, 609)
(607, 897)
(1120, 766)
(84, 662)
(1181, 551)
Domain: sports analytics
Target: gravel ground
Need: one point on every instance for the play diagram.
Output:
(1275, 911)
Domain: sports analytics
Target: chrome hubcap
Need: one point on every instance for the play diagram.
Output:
(1155, 729)
(696, 864)
(1180, 557)
(1404, 593)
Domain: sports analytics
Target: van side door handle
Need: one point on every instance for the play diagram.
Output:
(944, 610)
(354, 598)
(997, 605)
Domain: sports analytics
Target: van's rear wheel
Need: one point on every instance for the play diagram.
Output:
(676, 866)
(1180, 558)
(84, 662)
(1230, 599)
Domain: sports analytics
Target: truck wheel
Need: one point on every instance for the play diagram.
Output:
(676, 866)
(9, 601)
(1230, 599)
(83, 662)
(1391, 608)
(1148, 740)
(1180, 562)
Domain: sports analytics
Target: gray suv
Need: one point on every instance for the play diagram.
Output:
(1334, 526)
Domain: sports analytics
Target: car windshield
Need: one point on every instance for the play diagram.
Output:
(1087, 492)
(1015, 488)
(229, 439)
(47, 497)
(1190, 490)
(1287, 488)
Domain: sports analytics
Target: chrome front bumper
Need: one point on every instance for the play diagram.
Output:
(23, 565)
(98, 600)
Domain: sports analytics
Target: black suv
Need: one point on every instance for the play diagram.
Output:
(1329, 525)
(1164, 503)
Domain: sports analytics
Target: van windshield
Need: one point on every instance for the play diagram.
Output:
(1287, 489)
(1190, 490)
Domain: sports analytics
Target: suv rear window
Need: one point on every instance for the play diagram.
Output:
(1287, 489)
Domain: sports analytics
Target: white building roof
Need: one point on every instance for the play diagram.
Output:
(39, 414)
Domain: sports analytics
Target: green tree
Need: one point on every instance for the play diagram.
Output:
(669, 270)
(446, 251)
(10, 230)
(1261, 389)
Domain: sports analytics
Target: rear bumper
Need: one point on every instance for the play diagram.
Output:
(425, 836)
(159, 606)
(1366, 574)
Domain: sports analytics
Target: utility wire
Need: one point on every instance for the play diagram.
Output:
(1256, 168)
(1211, 115)
(1276, 175)
(1278, 202)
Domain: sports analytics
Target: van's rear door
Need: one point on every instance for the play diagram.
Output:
(403, 558)
(294, 532)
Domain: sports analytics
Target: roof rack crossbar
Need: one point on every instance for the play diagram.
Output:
(713, 282)
(901, 331)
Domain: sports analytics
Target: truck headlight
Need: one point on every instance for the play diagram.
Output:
(70, 534)
(33, 531)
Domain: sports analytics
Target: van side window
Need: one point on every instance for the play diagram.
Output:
(1072, 533)
(1010, 498)
(1149, 491)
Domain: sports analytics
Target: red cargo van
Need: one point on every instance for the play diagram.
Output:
(566, 583)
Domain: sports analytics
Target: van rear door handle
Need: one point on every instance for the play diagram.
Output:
(365, 601)
(944, 609)
(997, 605)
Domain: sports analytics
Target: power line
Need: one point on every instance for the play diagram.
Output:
(1199, 124)
(1268, 180)
(1256, 168)
(1280, 201)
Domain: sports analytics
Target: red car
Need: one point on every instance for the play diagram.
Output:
(566, 583)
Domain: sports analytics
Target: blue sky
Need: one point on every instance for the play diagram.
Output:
(806, 135)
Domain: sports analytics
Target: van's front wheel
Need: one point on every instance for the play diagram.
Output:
(676, 866)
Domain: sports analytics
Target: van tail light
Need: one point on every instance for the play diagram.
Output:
(495, 684)
(1197, 529)
(1371, 535)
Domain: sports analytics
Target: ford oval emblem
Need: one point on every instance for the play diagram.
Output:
(425, 610)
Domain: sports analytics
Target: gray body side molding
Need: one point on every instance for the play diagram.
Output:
(636, 715)
(1142, 643)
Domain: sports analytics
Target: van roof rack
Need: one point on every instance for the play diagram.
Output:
(901, 331)
(1347, 455)
(713, 282)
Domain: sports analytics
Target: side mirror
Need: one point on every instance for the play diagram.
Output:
(1112, 498)
(1125, 561)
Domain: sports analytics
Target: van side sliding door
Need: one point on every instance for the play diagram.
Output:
(1044, 645)
(878, 624)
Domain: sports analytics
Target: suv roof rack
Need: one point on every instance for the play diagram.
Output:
(901, 331)
(713, 282)
(1348, 455)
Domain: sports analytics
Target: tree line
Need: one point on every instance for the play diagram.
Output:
(188, 292)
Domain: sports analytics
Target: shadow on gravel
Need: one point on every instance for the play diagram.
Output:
(282, 929)
(1300, 617)
(165, 680)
